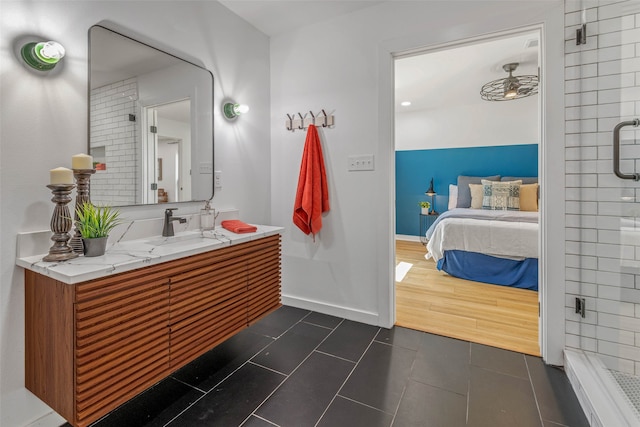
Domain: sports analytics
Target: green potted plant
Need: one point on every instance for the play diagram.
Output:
(425, 207)
(94, 224)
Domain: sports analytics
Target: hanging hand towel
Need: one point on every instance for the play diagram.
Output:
(312, 196)
(237, 226)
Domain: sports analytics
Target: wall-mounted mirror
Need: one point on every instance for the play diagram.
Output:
(150, 123)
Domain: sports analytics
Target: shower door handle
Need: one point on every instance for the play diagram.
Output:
(616, 150)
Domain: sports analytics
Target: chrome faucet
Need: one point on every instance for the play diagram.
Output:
(167, 229)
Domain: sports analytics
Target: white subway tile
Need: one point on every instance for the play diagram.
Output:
(583, 289)
(626, 65)
(614, 81)
(613, 10)
(616, 363)
(616, 109)
(581, 153)
(621, 322)
(609, 236)
(581, 166)
(614, 335)
(614, 251)
(585, 180)
(585, 221)
(619, 293)
(572, 341)
(616, 24)
(604, 305)
(619, 38)
(619, 350)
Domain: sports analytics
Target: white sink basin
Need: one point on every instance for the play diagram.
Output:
(180, 237)
(183, 241)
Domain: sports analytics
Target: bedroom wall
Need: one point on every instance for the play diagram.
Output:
(44, 123)
(415, 168)
(477, 124)
(347, 270)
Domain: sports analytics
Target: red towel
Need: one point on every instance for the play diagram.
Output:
(312, 196)
(238, 226)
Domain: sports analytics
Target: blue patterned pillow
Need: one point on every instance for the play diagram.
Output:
(464, 193)
(503, 195)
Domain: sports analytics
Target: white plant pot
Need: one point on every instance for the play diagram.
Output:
(425, 211)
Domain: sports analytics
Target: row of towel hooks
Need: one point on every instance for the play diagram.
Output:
(301, 122)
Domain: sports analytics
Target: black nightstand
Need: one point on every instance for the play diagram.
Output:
(425, 223)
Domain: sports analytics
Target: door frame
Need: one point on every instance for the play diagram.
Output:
(551, 171)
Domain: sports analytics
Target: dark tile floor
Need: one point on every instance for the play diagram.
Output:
(298, 368)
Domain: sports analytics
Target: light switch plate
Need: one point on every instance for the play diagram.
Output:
(361, 162)
(205, 167)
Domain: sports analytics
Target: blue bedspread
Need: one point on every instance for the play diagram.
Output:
(488, 269)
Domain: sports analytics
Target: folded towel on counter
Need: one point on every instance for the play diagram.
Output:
(238, 226)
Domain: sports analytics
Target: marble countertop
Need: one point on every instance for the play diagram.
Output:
(132, 254)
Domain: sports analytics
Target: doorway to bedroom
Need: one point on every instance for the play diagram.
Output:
(467, 265)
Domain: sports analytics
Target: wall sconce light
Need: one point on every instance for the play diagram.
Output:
(231, 111)
(42, 56)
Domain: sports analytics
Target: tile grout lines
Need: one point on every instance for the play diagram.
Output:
(347, 379)
(292, 372)
(533, 389)
(235, 370)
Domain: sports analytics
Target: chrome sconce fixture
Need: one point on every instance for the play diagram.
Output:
(42, 56)
(232, 110)
(510, 87)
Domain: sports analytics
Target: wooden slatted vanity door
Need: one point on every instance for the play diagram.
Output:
(212, 301)
(122, 340)
(264, 274)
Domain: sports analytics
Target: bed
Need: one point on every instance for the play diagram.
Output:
(490, 246)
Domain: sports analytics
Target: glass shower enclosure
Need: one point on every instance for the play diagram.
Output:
(602, 164)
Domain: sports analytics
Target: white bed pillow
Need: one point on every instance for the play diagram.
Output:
(453, 196)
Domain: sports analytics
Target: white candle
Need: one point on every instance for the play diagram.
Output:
(82, 161)
(61, 176)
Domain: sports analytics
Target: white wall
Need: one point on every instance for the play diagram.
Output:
(44, 123)
(344, 66)
(473, 125)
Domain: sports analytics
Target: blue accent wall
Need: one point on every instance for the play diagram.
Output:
(415, 168)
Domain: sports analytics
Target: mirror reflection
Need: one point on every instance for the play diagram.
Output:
(150, 123)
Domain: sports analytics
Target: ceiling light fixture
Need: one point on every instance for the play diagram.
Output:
(510, 87)
(42, 56)
(231, 110)
(405, 103)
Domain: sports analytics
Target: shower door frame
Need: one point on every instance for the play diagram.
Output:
(603, 220)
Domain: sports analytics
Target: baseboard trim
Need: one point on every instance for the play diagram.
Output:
(333, 310)
(51, 419)
(407, 238)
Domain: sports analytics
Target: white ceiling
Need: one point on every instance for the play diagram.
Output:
(274, 17)
(455, 75)
(449, 76)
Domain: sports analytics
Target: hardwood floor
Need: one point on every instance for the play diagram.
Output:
(432, 301)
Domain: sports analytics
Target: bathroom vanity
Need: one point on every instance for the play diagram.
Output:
(100, 331)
